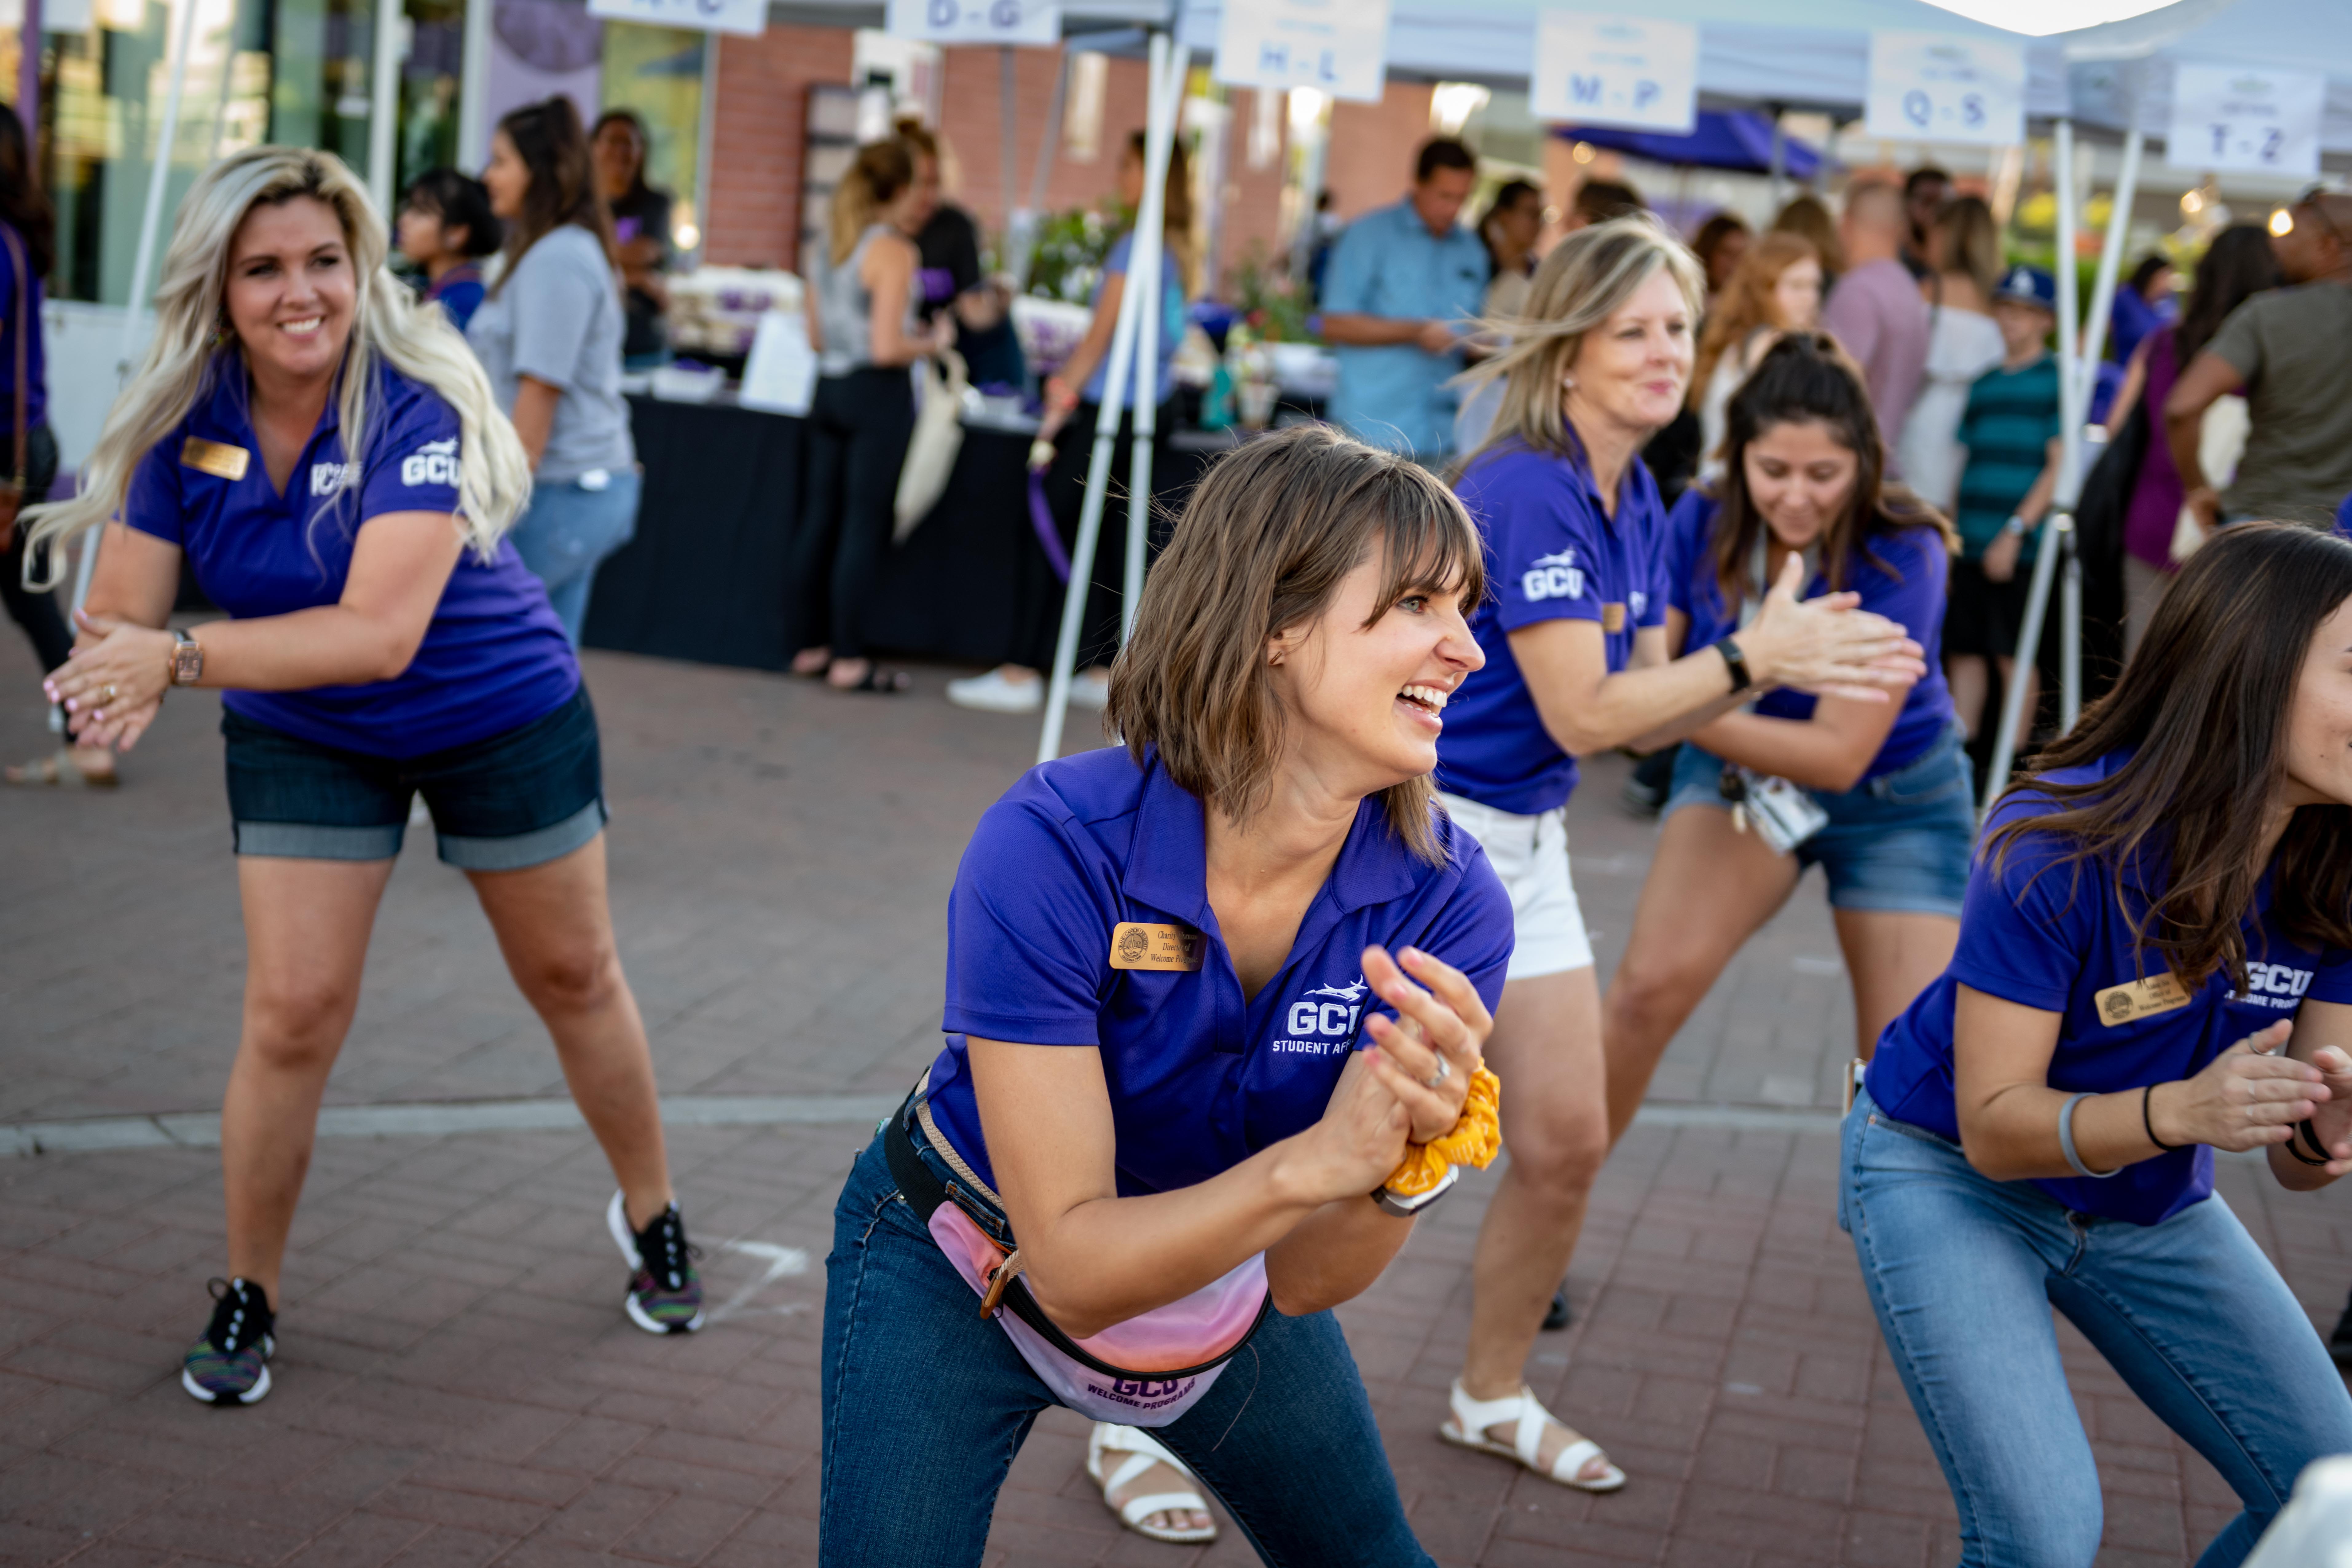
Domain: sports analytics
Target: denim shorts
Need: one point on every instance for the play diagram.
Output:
(1898, 843)
(518, 799)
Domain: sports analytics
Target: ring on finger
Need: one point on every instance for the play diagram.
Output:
(1445, 1070)
(106, 692)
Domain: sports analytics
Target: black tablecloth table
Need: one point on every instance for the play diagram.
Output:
(709, 576)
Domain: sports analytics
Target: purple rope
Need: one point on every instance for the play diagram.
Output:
(1041, 518)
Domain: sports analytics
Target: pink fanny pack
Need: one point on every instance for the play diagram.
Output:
(1144, 1371)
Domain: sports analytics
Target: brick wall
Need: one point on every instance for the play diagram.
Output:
(754, 200)
(756, 141)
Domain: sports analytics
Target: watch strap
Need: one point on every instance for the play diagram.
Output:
(1406, 1208)
(1737, 661)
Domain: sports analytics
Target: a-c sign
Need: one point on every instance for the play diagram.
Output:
(1593, 69)
(1945, 87)
(1035, 22)
(747, 17)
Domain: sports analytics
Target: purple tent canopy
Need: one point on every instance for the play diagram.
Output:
(1723, 139)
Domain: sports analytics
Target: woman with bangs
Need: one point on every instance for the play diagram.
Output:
(1574, 639)
(1803, 480)
(325, 454)
(2155, 961)
(1203, 991)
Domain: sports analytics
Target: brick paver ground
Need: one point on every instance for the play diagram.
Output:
(456, 1385)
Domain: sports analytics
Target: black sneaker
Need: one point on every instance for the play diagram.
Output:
(230, 1365)
(1558, 1317)
(2339, 1344)
(665, 1294)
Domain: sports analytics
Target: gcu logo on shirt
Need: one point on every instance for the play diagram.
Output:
(1329, 1024)
(1553, 577)
(326, 479)
(2279, 985)
(433, 463)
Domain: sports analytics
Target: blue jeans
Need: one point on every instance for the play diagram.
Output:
(1896, 842)
(1963, 1271)
(568, 531)
(926, 1403)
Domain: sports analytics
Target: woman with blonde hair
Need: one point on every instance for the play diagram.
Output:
(1574, 641)
(325, 454)
(1777, 290)
(862, 320)
(1963, 342)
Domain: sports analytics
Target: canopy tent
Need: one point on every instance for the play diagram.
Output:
(1735, 139)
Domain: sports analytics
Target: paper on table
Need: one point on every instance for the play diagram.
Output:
(780, 373)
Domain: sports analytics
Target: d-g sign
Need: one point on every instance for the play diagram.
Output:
(1035, 22)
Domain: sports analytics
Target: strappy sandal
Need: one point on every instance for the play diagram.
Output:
(1528, 1419)
(890, 682)
(57, 771)
(1142, 1453)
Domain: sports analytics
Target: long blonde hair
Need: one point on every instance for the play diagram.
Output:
(1584, 280)
(388, 325)
(1748, 304)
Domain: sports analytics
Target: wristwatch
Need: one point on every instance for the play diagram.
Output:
(1406, 1206)
(187, 658)
(1737, 662)
(2016, 525)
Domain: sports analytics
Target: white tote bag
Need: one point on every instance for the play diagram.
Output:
(2219, 444)
(938, 436)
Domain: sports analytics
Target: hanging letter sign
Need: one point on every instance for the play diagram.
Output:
(749, 17)
(1597, 70)
(2230, 116)
(1945, 87)
(1035, 22)
(1338, 47)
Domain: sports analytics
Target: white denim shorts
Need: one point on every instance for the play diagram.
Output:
(1530, 855)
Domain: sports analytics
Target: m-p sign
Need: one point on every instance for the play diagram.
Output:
(1593, 69)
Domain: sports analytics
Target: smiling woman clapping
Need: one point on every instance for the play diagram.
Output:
(324, 453)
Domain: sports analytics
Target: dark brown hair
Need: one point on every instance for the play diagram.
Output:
(2235, 267)
(23, 206)
(872, 181)
(1263, 545)
(1806, 378)
(2203, 708)
(549, 138)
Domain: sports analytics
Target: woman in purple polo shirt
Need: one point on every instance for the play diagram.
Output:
(1803, 476)
(2155, 961)
(1576, 662)
(1167, 1065)
(325, 453)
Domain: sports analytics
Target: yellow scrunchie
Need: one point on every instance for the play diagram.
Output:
(1476, 1138)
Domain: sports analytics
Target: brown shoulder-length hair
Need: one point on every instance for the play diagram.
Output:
(1261, 546)
(2203, 706)
(1748, 304)
(1807, 378)
(550, 141)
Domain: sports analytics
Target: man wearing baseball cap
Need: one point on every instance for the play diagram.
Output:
(2010, 430)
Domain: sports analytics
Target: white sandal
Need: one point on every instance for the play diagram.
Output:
(1472, 1417)
(1142, 1453)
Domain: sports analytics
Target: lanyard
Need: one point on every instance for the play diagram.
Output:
(1760, 584)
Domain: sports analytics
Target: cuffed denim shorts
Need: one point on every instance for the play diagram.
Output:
(518, 799)
(1898, 843)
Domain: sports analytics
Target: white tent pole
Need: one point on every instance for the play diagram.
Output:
(1082, 553)
(2111, 259)
(142, 260)
(1146, 264)
(383, 105)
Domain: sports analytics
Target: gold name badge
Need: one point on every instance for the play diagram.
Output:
(1612, 618)
(212, 458)
(1134, 945)
(2120, 1004)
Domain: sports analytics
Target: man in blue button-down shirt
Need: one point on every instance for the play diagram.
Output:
(1403, 285)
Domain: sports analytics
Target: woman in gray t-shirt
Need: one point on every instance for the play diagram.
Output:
(548, 332)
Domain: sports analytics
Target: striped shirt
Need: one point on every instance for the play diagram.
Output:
(2007, 429)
